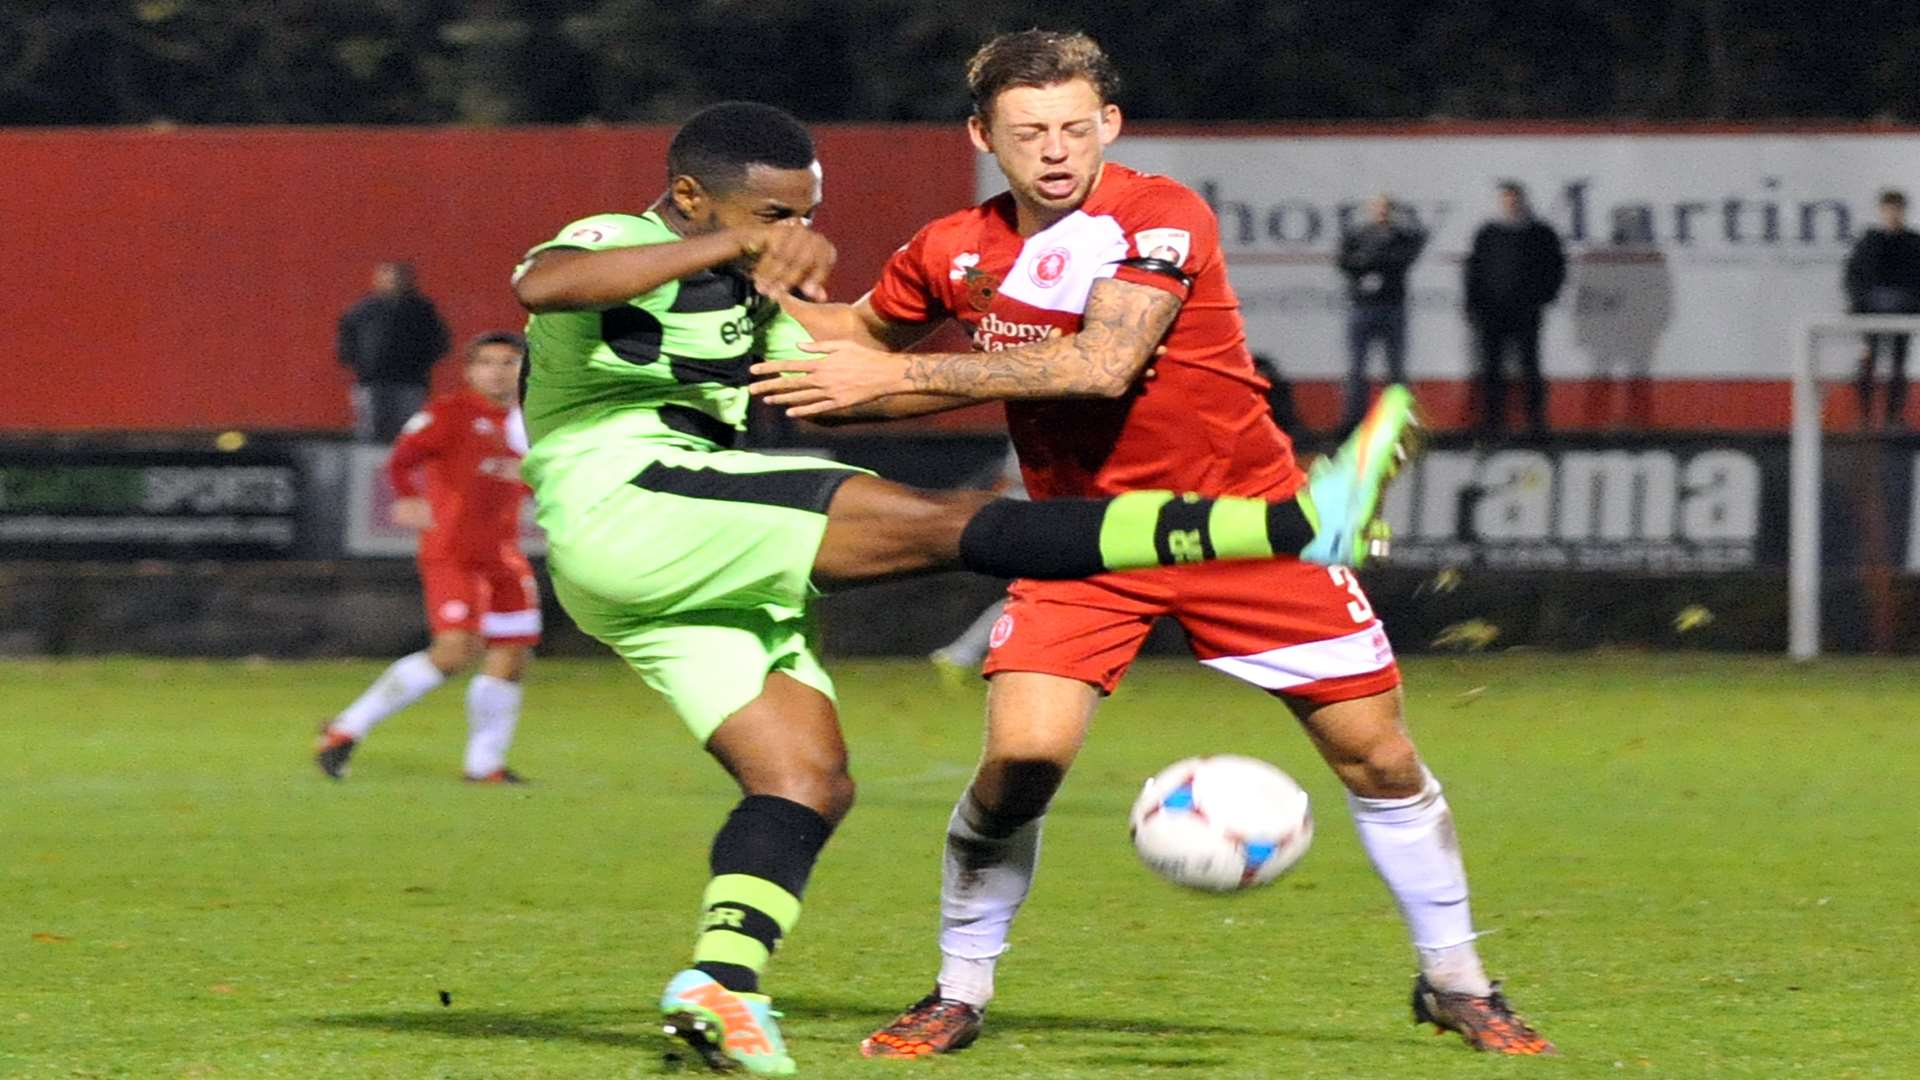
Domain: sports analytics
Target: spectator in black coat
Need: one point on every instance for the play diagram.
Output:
(390, 340)
(1515, 269)
(1883, 278)
(1375, 258)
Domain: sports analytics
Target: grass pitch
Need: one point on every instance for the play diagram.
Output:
(1686, 867)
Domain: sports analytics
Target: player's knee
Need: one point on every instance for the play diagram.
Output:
(816, 777)
(1388, 769)
(841, 791)
(829, 792)
(937, 518)
(453, 652)
(1015, 790)
(505, 662)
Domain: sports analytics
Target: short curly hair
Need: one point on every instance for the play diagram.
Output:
(720, 142)
(1037, 58)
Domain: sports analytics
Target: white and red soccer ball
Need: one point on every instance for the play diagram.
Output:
(1221, 823)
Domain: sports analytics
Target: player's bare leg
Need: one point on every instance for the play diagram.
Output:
(786, 744)
(1036, 724)
(493, 713)
(1407, 829)
(453, 651)
(785, 750)
(404, 682)
(508, 662)
(877, 529)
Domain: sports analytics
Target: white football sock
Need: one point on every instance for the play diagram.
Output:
(1415, 851)
(984, 879)
(493, 711)
(402, 684)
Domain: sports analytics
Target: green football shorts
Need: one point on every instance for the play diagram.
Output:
(699, 573)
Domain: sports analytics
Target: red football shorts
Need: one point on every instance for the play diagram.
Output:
(497, 600)
(1294, 629)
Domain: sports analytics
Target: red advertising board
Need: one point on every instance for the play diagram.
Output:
(191, 279)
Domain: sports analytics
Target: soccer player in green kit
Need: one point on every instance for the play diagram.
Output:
(696, 561)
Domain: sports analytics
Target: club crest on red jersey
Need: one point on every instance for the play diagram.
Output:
(1050, 267)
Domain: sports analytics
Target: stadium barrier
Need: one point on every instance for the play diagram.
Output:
(281, 547)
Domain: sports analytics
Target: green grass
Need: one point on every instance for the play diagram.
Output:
(1687, 867)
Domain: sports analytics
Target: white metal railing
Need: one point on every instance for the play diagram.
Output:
(1803, 484)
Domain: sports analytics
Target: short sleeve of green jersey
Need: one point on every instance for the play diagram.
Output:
(780, 338)
(603, 231)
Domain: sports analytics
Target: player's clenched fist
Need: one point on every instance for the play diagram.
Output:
(788, 257)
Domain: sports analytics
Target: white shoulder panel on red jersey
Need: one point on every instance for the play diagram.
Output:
(1059, 264)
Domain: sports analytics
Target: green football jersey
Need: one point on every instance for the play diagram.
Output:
(668, 366)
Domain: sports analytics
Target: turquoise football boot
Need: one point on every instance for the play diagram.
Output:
(1343, 491)
(728, 1030)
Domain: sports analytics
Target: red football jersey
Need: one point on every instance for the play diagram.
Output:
(469, 450)
(1200, 424)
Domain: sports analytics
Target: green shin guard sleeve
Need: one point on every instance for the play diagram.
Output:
(1075, 538)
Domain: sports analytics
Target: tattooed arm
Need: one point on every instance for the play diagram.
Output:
(1119, 332)
(859, 323)
(1122, 325)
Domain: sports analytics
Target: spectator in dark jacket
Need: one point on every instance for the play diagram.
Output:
(1376, 257)
(1883, 278)
(1515, 269)
(389, 339)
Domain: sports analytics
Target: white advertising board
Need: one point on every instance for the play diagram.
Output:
(1690, 256)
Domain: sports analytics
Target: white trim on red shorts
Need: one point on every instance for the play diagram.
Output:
(511, 624)
(1362, 652)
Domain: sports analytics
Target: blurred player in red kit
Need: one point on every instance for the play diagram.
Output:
(482, 603)
(1068, 283)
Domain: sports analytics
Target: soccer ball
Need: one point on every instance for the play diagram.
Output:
(1221, 823)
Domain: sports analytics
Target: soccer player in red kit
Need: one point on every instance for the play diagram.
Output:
(1067, 283)
(482, 603)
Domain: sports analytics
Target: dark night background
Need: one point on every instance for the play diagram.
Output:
(501, 61)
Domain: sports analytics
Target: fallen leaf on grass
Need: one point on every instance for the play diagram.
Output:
(1468, 697)
(1471, 635)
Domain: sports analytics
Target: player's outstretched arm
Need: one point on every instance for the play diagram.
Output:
(894, 407)
(786, 258)
(1120, 330)
(859, 323)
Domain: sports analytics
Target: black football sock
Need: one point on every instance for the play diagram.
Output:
(1076, 538)
(760, 862)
